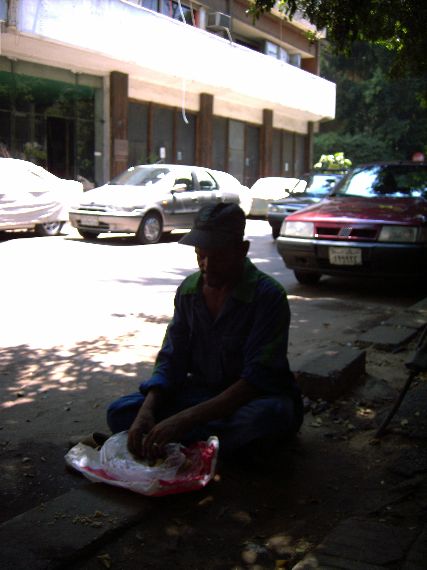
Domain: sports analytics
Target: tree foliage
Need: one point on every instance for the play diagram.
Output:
(397, 25)
(333, 161)
(378, 117)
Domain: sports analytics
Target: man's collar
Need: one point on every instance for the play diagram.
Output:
(245, 287)
(243, 291)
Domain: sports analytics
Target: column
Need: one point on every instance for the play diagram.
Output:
(266, 143)
(119, 122)
(205, 131)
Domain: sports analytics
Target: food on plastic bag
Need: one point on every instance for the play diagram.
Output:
(183, 468)
(122, 464)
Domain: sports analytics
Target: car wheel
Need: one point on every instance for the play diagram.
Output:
(307, 277)
(275, 231)
(88, 235)
(49, 229)
(150, 229)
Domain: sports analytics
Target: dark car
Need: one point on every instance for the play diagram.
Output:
(374, 223)
(318, 185)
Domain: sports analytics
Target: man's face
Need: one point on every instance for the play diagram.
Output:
(221, 267)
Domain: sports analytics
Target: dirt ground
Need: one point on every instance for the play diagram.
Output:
(255, 517)
(270, 517)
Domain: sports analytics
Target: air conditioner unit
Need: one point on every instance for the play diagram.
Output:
(218, 21)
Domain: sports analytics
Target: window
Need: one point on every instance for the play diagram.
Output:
(206, 182)
(172, 9)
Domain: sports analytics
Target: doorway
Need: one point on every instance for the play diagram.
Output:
(60, 146)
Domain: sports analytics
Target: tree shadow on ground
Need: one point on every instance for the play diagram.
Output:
(47, 396)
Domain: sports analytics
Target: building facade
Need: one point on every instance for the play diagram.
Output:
(90, 87)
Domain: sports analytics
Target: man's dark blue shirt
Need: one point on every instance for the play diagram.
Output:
(201, 356)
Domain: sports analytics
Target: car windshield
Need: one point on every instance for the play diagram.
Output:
(140, 176)
(321, 184)
(385, 181)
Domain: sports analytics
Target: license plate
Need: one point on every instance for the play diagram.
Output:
(345, 256)
(88, 220)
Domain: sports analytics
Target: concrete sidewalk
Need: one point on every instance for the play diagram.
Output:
(70, 526)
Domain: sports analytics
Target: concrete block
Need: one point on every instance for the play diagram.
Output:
(417, 556)
(360, 544)
(420, 307)
(368, 541)
(319, 561)
(407, 319)
(67, 527)
(329, 373)
(387, 337)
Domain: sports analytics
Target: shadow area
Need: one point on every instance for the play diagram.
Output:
(378, 289)
(46, 397)
(125, 239)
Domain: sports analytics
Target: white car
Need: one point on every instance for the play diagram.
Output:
(149, 200)
(31, 198)
(268, 189)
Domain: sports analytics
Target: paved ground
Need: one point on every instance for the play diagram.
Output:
(335, 498)
(84, 528)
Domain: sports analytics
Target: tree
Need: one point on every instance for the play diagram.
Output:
(397, 25)
(378, 117)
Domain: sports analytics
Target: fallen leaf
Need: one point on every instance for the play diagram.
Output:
(105, 560)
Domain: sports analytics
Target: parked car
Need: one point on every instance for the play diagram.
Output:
(150, 200)
(311, 189)
(374, 223)
(31, 198)
(267, 189)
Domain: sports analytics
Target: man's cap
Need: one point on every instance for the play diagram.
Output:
(216, 226)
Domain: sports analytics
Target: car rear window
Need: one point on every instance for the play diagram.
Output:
(388, 181)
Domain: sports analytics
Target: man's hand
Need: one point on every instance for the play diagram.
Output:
(172, 429)
(142, 425)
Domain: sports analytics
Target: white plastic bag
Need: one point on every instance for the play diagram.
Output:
(183, 469)
(121, 463)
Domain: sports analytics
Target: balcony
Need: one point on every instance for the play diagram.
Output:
(163, 54)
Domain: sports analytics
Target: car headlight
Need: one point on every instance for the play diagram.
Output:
(121, 208)
(297, 229)
(401, 234)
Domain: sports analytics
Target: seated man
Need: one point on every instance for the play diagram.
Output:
(222, 369)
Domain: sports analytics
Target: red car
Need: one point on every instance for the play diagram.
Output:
(374, 223)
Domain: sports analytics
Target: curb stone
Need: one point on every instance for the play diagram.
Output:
(364, 544)
(329, 373)
(68, 526)
(386, 336)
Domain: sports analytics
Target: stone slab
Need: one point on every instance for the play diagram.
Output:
(417, 557)
(68, 526)
(412, 320)
(360, 544)
(410, 461)
(387, 337)
(411, 417)
(329, 373)
(318, 561)
(420, 307)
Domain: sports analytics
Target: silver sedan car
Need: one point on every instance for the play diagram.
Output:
(150, 200)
